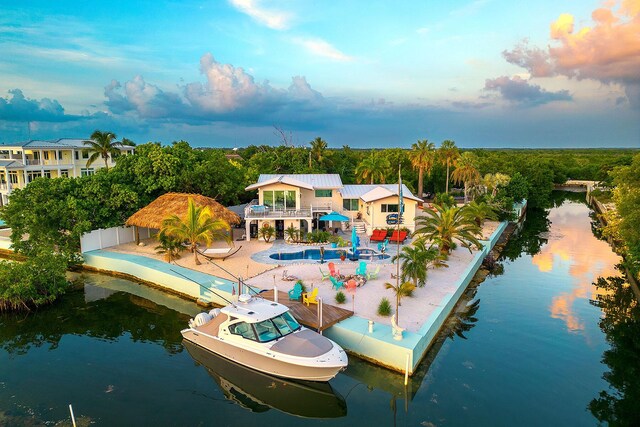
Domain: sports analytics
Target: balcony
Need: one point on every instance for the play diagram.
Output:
(33, 162)
(255, 211)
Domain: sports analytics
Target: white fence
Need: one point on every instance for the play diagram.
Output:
(114, 236)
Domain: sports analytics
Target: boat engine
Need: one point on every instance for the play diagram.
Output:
(200, 319)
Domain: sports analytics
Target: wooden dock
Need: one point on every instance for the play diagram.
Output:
(308, 316)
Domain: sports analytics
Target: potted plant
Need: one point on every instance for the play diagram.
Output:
(343, 255)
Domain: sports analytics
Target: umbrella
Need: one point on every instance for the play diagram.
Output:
(333, 216)
(355, 240)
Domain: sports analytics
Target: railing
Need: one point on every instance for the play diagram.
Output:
(261, 211)
(4, 187)
(32, 162)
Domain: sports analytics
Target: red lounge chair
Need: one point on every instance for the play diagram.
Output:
(378, 236)
(398, 237)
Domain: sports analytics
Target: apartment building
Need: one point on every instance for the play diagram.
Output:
(22, 162)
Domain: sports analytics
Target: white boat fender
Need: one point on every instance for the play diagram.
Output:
(214, 312)
(200, 319)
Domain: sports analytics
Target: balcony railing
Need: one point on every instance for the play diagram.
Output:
(32, 162)
(255, 211)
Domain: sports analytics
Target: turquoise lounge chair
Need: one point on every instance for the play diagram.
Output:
(362, 269)
(324, 275)
(296, 292)
(335, 284)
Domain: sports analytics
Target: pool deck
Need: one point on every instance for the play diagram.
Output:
(352, 333)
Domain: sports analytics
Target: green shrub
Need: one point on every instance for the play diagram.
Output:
(318, 236)
(445, 200)
(267, 232)
(384, 308)
(340, 297)
(37, 281)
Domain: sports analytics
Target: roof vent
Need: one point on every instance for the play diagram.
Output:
(244, 298)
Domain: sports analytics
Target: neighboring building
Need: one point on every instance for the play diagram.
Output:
(22, 162)
(299, 200)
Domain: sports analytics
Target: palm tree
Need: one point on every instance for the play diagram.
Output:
(198, 226)
(466, 172)
(478, 212)
(373, 168)
(448, 154)
(442, 225)
(318, 146)
(416, 261)
(169, 246)
(402, 290)
(102, 145)
(422, 156)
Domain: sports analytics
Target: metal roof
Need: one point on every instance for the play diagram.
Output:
(317, 181)
(9, 163)
(375, 192)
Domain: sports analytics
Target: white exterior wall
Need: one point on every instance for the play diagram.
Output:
(378, 219)
(279, 187)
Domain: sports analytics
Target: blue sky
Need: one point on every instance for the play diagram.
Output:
(485, 73)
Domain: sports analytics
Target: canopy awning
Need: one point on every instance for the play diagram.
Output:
(334, 216)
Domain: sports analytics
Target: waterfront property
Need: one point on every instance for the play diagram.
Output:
(22, 162)
(299, 200)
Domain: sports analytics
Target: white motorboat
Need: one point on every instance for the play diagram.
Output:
(264, 336)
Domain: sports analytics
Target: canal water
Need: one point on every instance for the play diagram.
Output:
(551, 339)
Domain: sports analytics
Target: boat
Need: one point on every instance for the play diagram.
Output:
(260, 392)
(264, 336)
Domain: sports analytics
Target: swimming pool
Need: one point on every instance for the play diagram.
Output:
(328, 254)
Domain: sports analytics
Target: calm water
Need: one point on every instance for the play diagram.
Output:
(528, 350)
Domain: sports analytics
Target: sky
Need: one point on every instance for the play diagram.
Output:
(229, 73)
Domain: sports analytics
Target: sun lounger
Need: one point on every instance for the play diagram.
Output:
(378, 235)
(398, 237)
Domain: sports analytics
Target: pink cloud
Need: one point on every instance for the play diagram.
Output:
(608, 52)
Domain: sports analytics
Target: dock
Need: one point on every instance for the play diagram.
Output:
(308, 315)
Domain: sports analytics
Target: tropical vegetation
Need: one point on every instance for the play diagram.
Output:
(103, 145)
(422, 157)
(384, 307)
(401, 290)
(197, 227)
(442, 225)
(415, 261)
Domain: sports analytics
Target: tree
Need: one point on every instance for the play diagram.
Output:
(373, 168)
(318, 147)
(169, 246)
(443, 225)
(448, 153)
(402, 290)
(102, 145)
(198, 226)
(478, 212)
(422, 156)
(518, 187)
(416, 260)
(494, 181)
(466, 172)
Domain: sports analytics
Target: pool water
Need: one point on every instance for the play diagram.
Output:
(328, 254)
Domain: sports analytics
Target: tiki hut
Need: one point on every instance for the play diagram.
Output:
(152, 215)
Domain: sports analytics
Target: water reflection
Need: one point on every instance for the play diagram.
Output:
(618, 405)
(572, 249)
(259, 392)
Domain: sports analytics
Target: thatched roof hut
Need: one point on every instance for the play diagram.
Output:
(152, 215)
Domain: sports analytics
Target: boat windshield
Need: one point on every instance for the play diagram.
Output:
(276, 327)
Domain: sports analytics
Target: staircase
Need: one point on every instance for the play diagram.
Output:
(360, 227)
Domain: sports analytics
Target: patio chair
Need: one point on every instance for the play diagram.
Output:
(310, 298)
(332, 270)
(373, 274)
(362, 269)
(335, 284)
(324, 275)
(296, 292)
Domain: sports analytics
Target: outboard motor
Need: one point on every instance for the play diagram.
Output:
(200, 319)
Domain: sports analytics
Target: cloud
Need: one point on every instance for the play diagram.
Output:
(608, 52)
(18, 108)
(519, 91)
(276, 20)
(322, 48)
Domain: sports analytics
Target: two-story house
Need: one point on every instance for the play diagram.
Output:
(22, 162)
(299, 200)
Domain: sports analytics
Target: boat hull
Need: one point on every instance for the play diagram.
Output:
(267, 363)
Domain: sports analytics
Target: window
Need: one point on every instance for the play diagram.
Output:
(60, 155)
(85, 154)
(389, 208)
(244, 330)
(350, 204)
(33, 175)
(323, 193)
(3, 179)
(13, 177)
(46, 155)
(86, 171)
(64, 173)
(279, 199)
(46, 174)
(77, 156)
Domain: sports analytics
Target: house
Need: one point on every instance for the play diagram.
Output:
(22, 162)
(298, 200)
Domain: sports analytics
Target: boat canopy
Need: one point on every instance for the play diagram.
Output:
(255, 310)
